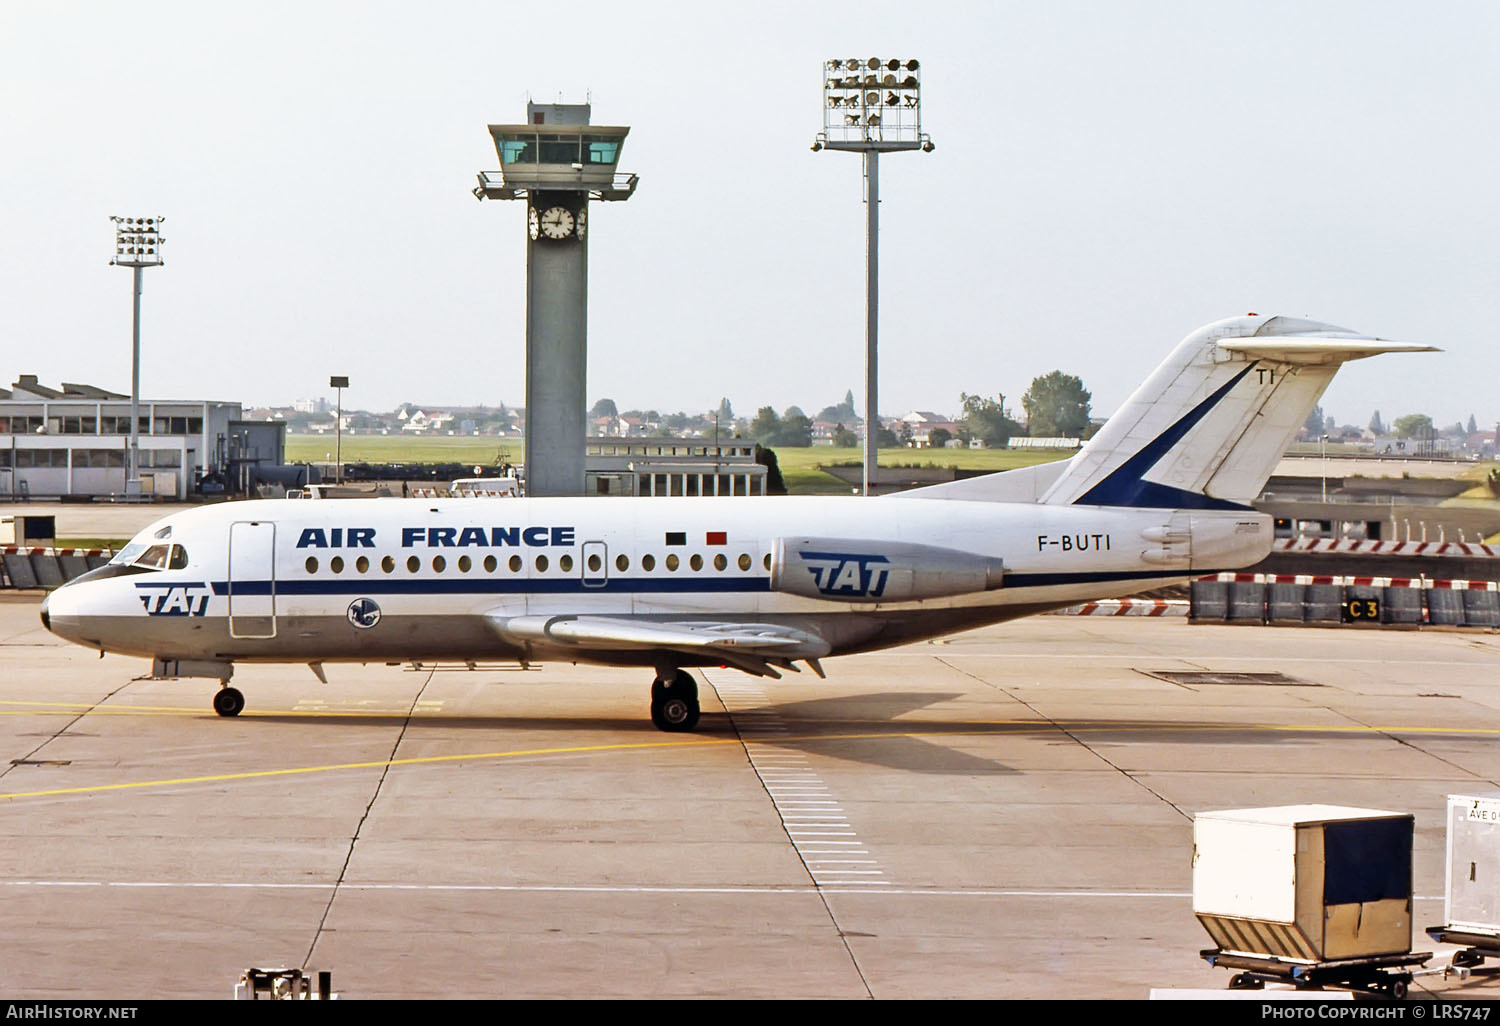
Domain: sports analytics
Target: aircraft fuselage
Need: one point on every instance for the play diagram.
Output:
(397, 579)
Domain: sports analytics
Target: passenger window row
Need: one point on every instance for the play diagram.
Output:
(464, 564)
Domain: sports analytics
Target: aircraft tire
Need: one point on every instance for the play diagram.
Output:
(675, 713)
(229, 701)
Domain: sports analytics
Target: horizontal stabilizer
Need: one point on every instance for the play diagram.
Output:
(1320, 350)
(1205, 430)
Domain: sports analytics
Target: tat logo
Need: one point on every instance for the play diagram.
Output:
(847, 574)
(174, 599)
(364, 613)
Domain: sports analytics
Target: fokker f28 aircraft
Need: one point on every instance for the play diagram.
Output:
(1161, 493)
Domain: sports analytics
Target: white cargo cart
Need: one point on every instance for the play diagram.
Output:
(1312, 895)
(1385, 975)
(1471, 899)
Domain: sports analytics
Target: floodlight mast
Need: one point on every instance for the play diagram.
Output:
(872, 106)
(338, 382)
(138, 242)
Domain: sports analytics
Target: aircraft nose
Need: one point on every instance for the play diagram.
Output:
(59, 613)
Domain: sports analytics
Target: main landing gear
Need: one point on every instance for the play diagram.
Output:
(228, 701)
(674, 701)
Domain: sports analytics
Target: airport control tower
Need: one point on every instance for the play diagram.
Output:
(557, 162)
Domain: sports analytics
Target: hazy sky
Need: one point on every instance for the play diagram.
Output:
(1108, 176)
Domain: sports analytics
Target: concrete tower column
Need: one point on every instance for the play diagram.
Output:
(557, 321)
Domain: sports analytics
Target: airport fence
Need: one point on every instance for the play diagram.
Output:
(1318, 600)
(22, 567)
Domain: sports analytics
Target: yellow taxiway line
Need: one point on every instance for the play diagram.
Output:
(969, 728)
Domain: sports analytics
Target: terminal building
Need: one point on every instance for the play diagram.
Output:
(72, 441)
(672, 466)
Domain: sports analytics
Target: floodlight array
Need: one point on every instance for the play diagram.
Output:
(872, 99)
(138, 241)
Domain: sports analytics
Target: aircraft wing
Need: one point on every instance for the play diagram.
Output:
(752, 647)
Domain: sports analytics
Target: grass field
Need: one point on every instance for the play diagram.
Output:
(399, 449)
(799, 467)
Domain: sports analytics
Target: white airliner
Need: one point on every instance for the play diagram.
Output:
(1161, 493)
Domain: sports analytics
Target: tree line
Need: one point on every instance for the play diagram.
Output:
(1056, 406)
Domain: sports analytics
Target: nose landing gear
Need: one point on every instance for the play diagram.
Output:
(229, 701)
(674, 701)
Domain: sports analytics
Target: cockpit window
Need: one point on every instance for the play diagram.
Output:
(128, 554)
(152, 557)
(155, 557)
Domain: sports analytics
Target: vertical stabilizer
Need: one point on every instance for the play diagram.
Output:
(1208, 426)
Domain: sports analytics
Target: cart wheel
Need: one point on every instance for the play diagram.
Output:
(1398, 990)
(1241, 981)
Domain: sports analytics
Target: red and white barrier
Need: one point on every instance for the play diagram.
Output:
(1362, 582)
(16, 550)
(1387, 548)
(1465, 585)
(1128, 607)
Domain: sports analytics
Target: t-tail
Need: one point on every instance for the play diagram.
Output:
(1205, 431)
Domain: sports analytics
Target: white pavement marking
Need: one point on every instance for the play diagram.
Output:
(818, 833)
(810, 813)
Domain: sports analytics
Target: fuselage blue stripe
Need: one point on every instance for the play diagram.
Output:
(574, 586)
(500, 586)
(1102, 577)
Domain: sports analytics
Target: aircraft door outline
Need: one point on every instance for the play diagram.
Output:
(251, 563)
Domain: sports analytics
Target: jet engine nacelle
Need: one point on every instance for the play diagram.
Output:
(1231, 539)
(858, 570)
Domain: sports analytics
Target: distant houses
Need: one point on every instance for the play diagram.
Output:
(408, 419)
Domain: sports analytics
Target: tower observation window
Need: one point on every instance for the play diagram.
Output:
(602, 151)
(559, 149)
(518, 149)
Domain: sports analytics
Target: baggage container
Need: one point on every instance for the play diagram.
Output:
(1209, 600)
(1445, 603)
(1481, 605)
(1247, 601)
(1325, 601)
(1471, 901)
(1403, 602)
(1313, 883)
(1286, 600)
